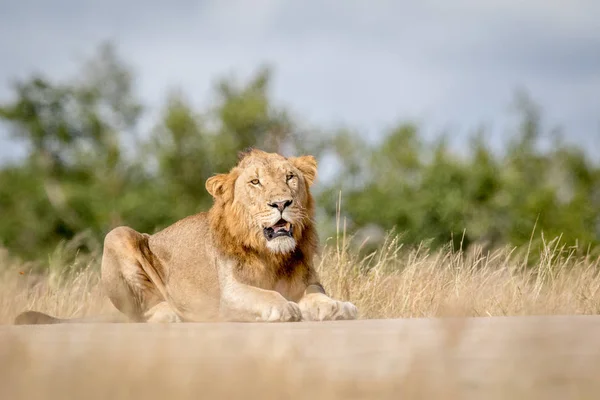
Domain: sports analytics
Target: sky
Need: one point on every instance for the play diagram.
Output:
(451, 66)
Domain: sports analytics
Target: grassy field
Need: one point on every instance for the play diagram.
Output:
(392, 282)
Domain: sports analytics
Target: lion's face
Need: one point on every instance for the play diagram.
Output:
(269, 197)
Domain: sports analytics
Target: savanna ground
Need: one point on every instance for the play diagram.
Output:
(393, 282)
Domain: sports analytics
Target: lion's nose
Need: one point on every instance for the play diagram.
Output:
(280, 205)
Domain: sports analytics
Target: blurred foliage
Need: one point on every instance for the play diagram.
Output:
(89, 168)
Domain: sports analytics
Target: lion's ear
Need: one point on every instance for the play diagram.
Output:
(307, 165)
(215, 185)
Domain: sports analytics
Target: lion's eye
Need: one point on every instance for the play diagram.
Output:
(255, 182)
(290, 176)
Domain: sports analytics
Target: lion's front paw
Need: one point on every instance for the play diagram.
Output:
(319, 307)
(283, 312)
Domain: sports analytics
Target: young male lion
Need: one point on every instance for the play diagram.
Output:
(249, 258)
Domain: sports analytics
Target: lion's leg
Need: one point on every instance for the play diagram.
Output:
(241, 302)
(125, 282)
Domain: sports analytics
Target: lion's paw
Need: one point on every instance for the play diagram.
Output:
(162, 313)
(285, 312)
(323, 308)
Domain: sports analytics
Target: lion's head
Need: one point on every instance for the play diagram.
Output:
(264, 203)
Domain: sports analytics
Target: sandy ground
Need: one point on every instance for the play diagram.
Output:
(475, 358)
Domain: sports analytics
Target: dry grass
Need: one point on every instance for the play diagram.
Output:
(395, 283)
(392, 282)
(70, 291)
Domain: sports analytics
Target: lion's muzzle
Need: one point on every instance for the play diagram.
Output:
(281, 228)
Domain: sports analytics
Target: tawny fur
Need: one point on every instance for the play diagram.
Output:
(218, 265)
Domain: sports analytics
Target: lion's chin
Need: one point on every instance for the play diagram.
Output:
(282, 244)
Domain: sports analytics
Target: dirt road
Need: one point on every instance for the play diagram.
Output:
(475, 358)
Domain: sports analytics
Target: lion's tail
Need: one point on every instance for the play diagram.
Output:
(39, 318)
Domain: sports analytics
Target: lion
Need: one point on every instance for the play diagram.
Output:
(248, 258)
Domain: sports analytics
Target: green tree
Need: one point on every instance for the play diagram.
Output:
(75, 167)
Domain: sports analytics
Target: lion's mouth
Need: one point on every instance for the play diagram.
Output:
(281, 228)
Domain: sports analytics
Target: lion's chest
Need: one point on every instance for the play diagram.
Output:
(291, 289)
